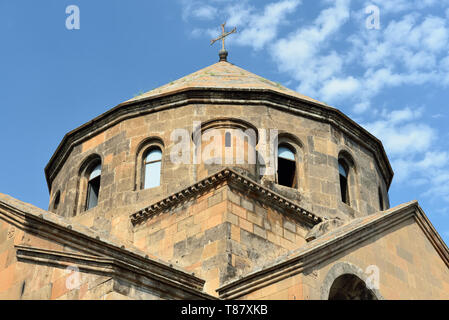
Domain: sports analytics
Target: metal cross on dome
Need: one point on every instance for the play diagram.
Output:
(223, 36)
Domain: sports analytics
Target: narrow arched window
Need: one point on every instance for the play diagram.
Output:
(343, 172)
(57, 200)
(152, 168)
(93, 187)
(381, 200)
(286, 168)
(227, 139)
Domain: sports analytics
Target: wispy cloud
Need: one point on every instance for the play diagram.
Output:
(261, 28)
(334, 58)
(193, 9)
(397, 6)
(407, 51)
(256, 28)
(402, 133)
(414, 151)
(303, 55)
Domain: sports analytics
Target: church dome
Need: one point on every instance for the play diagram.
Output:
(321, 148)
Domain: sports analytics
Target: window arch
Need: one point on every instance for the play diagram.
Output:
(152, 162)
(348, 180)
(286, 166)
(225, 141)
(149, 166)
(381, 199)
(350, 287)
(344, 281)
(343, 170)
(89, 181)
(93, 186)
(56, 200)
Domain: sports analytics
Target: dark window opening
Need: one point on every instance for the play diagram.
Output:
(286, 172)
(22, 290)
(286, 167)
(93, 188)
(228, 139)
(56, 201)
(381, 200)
(344, 190)
(350, 287)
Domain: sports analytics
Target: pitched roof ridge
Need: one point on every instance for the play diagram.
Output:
(20, 213)
(222, 70)
(229, 175)
(313, 252)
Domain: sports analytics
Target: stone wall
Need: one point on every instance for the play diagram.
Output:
(220, 235)
(43, 256)
(21, 280)
(409, 268)
(319, 145)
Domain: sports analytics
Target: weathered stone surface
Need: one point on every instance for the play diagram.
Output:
(218, 234)
(323, 228)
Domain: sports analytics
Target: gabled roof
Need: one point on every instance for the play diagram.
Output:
(332, 243)
(231, 177)
(106, 250)
(222, 75)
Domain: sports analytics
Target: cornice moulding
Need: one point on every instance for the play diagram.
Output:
(85, 240)
(323, 249)
(112, 267)
(232, 178)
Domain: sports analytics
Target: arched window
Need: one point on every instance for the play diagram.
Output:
(381, 200)
(56, 200)
(286, 169)
(350, 287)
(152, 168)
(343, 170)
(227, 139)
(93, 187)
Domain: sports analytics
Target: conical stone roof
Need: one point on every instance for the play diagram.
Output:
(221, 75)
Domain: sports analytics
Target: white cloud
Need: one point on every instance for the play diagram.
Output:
(255, 28)
(259, 28)
(238, 14)
(337, 88)
(205, 12)
(403, 43)
(408, 51)
(413, 150)
(299, 54)
(334, 58)
(396, 6)
(361, 107)
(402, 115)
(401, 135)
(198, 10)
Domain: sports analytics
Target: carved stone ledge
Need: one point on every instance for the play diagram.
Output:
(228, 176)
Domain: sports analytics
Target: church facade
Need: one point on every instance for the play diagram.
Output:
(220, 185)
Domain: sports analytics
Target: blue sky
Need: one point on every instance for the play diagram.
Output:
(393, 80)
